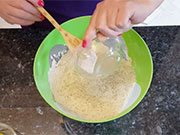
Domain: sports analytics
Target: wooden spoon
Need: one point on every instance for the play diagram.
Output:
(71, 41)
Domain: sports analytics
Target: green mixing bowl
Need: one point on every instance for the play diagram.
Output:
(137, 50)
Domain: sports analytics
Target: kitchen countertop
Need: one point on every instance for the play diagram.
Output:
(22, 107)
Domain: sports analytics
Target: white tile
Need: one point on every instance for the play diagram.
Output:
(4, 24)
(167, 14)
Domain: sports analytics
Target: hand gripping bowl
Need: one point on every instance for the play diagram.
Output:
(137, 51)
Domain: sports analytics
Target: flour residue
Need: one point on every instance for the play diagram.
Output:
(90, 98)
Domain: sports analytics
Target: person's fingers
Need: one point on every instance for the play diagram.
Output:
(37, 3)
(123, 17)
(128, 26)
(107, 32)
(22, 22)
(102, 27)
(91, 30)
(21, 14)
(26, 6)
(101, 24)
(111, 19)
(101, 37)
(20, 3)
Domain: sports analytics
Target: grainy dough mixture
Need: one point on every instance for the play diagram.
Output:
(90, 98)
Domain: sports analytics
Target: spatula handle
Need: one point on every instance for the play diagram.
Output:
(51, 19)
(71, 41)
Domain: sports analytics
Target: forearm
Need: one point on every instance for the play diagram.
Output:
(145, 8)
(149, 5)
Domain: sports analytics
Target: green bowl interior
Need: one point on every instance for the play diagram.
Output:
(137, 50)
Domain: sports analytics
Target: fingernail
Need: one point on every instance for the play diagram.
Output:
(41, 3)
(119, 35)
(42, 17)
(84, 43)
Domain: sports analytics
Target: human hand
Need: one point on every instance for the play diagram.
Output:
(113, 17)
(23, 12)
